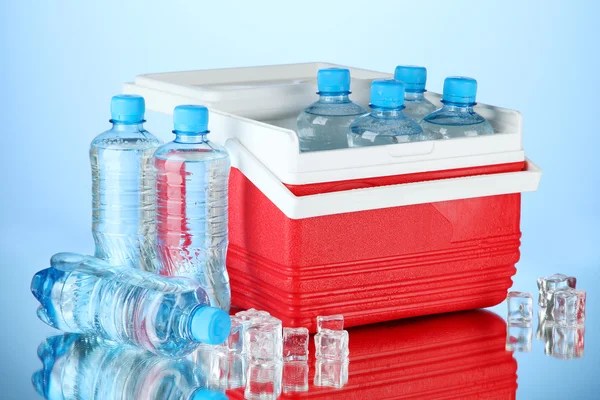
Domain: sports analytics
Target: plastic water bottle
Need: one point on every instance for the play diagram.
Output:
(324, 124)
(387, 123)
(123, 187)
(86, 367)
(167, 316)
(457, 117)
(191, 200)
(414, 79)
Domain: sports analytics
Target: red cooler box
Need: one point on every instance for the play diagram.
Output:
(375, 233)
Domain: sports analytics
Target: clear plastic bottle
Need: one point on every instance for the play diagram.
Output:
(386, 124)
(167, 316)
(457, 117)
(86, 367)
(123, 187)
(324, 124)
(414, 78)
(192, 175)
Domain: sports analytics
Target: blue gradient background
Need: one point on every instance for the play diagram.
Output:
(62, 61)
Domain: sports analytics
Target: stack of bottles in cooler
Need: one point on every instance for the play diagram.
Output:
(399, 113)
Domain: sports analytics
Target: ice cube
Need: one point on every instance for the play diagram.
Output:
(295, 376)
(264, 380)
(237, 371)
(252, 314)
(263, 341)
(566, 342)
(551, 283)
(568, 307)
(331, 345)
(544, 329)
(295, 344)
(218, 368)
(235, 341)
(331, 373)
(332, 322)
(520, 308)
(518, 337)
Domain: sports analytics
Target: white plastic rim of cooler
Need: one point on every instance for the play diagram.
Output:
(299, 207)
(258, 106)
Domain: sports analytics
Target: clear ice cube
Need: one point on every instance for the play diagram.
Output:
(263, 341)
(331, 322)
(331, 345)
(237, 371)
(549, 284)
(295, 344)
(520, 308)
(331, 373)
(518, 337)
(235, 341)
(544, 329)
(218, 367)
(295, 376)
(568, 307)
(252, 314)
(264, 380)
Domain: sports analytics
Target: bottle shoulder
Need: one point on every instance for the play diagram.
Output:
(447, 117)
(204, 151)
(125, 139)
(319, 108)
(401, 125)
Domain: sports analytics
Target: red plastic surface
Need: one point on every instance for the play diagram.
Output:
(374, 265)
(339, 186)
(452, 356)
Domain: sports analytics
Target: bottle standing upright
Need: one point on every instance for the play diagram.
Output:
(457, 118)
(324, 124)
(414, 78)
(387, 123)
(191, 200)
(123, 187)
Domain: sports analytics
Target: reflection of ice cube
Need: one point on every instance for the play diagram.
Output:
(263, 340)
(237, 371)
(520, 308)
(566, 342)
(549, 284)
(331, 345)
(518, 337)
(295, 376)
(568, 307)
(295, 344)
(264, 380)
(331, 373)
(332, 322)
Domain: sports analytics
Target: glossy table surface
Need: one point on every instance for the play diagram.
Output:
(459, 355)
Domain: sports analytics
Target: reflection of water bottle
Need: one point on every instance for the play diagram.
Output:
(324, 124)
(191, 199)
(85, 367)
(457, 118)
(123, 187)
(167, 316)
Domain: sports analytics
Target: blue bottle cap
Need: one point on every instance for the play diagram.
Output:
(333, 80)
(190, 118)
(387, 93)
(210, 325)
(460, 89)
(413, 77)
(127, 108)
(207, 394)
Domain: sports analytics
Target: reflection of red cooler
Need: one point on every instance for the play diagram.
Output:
(375, 233)
(452, 356)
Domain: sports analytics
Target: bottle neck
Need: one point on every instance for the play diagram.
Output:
(127, 126)
(457, 107)
(388, 113)
(334, 97)
(414, 96)
(191, 137)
